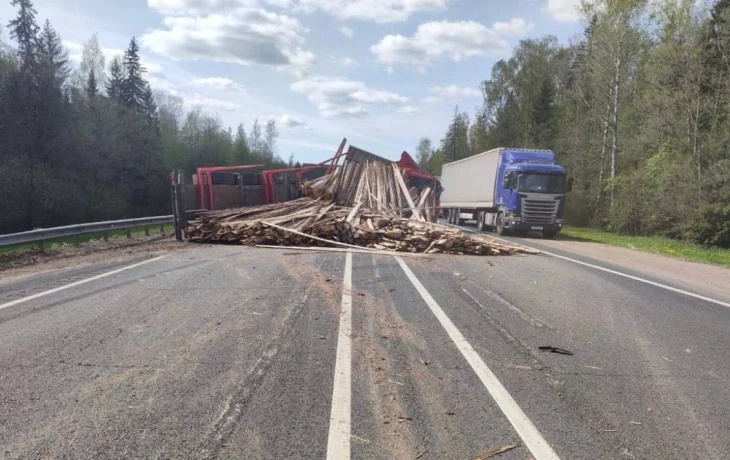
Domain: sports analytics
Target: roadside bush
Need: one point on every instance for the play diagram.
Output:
(711, 227)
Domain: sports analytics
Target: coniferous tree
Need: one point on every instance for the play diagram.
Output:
(91, 87)
(115, 85)
(133, 88)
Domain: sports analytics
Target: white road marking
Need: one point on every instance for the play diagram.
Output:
(614, 272)
(642, 280)
(338, 442)
(532, 438)
(77, 283)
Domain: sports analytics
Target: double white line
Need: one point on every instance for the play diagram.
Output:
(338, 443)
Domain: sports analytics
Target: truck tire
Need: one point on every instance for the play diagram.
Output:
(459, 220)
(480, 221)
(500, 225)
(549, 234)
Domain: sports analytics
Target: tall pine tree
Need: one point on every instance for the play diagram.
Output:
(24, 30)
(115, 84)
(134, 86)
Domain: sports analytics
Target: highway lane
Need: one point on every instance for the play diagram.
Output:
(230, 352)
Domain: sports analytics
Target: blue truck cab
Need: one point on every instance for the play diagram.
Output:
(530, 192)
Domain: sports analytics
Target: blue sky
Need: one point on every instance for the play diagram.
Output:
(382, 73)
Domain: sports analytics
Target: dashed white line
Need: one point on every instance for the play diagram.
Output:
(77, 283)
(614, 272)
(338, 442)
(532, 438)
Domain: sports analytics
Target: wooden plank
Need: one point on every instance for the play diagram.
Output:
(355, 209)
(422, 200)
(336, 243)
(399, 180)
(359, 250)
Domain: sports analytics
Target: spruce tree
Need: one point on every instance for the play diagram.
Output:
(24, 30)
(91, 87)
(115, 84)
(134, 86)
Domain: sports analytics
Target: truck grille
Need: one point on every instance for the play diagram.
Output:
(539, 212)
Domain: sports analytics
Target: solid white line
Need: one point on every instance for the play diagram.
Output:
(338, 442)
(614, 272)
(532, 438)
(642, 280)
(77, 283)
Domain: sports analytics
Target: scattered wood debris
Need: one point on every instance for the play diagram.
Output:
(312, 222)
(364, 205)
(495, 451)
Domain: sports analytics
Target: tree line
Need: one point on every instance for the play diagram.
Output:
(95, 141)
(637, 109)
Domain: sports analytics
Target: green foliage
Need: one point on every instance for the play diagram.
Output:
(71, 154)
(637, 110)
(655, 244)
(424, 151)
(711, 227)
(455, 144)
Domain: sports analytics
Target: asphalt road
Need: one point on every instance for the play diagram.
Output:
(243, 353)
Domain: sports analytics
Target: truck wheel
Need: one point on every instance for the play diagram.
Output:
(500, 224)
(480, 221)
(459, 220)
(550, 234)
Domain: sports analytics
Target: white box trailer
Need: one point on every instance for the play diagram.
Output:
(470, 183)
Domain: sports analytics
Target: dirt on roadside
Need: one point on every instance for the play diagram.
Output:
(20, 263)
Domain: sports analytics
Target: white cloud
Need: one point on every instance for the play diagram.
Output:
(338, 96)
(346, 31)
(432, 40)
(161, 83)
(515, 27)
(382, 11)
(563, 10)
(196, 100)
(288, 121)
(408, 110)
(193, 7)
(244, 36)
(217, 83)
(456, 92)
(344, 62)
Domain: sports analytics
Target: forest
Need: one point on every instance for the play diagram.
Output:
(637, 109)
(91, 142)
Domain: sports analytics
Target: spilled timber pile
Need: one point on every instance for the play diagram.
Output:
(314, 222)
(374, 183)
(365, 204)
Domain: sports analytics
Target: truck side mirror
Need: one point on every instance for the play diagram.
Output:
(570, 184)
(506, 182)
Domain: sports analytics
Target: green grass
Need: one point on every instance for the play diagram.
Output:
(656, 244)
(114, 234)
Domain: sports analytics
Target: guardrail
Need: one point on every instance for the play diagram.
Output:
(45, 234)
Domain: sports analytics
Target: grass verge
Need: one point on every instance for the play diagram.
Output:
(114, 234)
(656, 244)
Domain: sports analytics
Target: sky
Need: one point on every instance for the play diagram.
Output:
(382, 73)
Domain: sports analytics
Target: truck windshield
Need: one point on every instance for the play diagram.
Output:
(541, 183)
